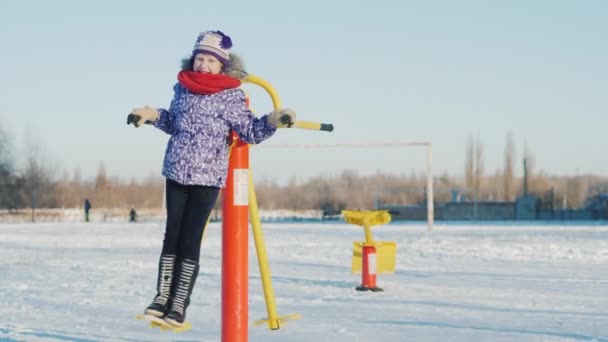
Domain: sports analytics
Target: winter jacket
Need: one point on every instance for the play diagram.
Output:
(199, 125)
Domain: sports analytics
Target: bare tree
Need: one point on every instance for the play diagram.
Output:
(102, 185)
(469, 163)
(6, 171)
(529, 166)
(509, 169)
(474, 165)
(576, 191)
(37, 176)
(479, 166)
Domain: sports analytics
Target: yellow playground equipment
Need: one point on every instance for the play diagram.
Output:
(386, 251)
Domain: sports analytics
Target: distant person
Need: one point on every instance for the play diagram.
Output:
(132, 215)
(205, 108)
(87, 209)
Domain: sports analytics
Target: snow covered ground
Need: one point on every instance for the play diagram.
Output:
(460, 282)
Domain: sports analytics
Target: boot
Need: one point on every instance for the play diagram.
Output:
(159, 306)
(184, 283)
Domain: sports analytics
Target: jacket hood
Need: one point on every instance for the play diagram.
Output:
(235, 70)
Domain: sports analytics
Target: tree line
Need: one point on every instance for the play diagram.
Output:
(36, 185)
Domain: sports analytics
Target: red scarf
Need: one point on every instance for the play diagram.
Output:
(206, 84)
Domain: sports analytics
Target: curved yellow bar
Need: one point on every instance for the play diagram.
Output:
(276, 102)
(274, 320)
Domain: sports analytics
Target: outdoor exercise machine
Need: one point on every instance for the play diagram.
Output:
(371, 257)
(239, 204)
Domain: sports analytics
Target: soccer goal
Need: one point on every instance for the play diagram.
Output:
(293, 163)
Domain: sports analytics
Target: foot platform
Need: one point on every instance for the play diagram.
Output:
(274, 324)
(157, 322)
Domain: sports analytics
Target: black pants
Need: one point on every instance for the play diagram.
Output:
(188, 208)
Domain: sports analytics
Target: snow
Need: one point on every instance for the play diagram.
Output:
(459, 282)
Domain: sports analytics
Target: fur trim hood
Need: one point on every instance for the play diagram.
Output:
(235, 70)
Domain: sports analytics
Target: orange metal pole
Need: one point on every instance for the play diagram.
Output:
(368, 269)
(235, 211)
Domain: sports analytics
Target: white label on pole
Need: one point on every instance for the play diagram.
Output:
(241, 187)
(371, 263)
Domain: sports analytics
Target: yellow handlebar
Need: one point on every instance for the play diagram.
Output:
(313, 125)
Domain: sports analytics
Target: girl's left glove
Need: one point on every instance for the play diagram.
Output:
(140, 116)
(284, 117)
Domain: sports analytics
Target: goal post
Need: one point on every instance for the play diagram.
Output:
(427, 145)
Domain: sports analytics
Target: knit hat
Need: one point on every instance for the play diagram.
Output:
(215, 43)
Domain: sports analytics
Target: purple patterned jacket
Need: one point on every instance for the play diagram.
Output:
(197, 152)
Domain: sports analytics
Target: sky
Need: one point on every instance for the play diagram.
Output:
(460, 282)
(437, 71)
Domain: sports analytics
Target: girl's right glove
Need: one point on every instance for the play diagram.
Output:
(140, 116)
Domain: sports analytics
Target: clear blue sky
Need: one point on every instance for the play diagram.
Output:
(70, 72)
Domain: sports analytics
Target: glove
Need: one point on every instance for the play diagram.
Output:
(141, 116)
(282, 118)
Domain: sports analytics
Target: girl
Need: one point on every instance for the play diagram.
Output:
(206, 106)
